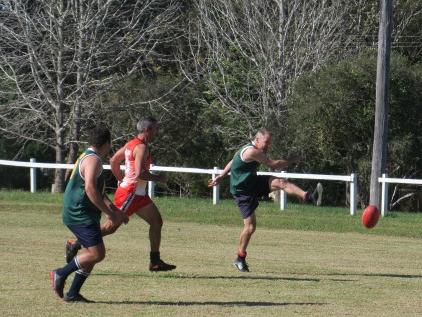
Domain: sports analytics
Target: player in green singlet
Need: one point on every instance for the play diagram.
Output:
(247, 187)
(83, 202)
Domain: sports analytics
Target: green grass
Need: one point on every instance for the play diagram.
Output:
(305, 261)
(296, 217)
(23, 197)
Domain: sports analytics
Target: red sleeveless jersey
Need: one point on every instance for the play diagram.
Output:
(130, 181)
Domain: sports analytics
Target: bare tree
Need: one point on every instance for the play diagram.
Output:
(274, 41)
(58, 56)
(250, 53)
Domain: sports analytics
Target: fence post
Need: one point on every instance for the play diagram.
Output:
(33, 176)
(283, 196)
(353, 193)
(215, 189)
(384, 195)
(283, 200)
(151, 184)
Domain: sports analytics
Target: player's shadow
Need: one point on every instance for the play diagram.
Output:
(249, 277)
(267, 278)
(376, 275)
(223, 277)
(211, 303)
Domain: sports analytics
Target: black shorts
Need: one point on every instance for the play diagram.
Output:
(88, 235)
(248, 203)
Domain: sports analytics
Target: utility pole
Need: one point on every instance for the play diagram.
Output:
(379, 151)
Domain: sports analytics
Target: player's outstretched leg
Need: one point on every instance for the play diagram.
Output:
(316, 196)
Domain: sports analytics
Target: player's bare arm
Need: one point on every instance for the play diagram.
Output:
(90, 169)
(115, 162)
(217, 179)
(257, 155)
(141, 153)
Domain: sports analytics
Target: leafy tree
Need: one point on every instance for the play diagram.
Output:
(187, 126)
(331, 117)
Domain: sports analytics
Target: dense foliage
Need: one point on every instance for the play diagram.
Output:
(212, 73)
(331, 119)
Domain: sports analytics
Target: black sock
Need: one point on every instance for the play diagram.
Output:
(78, 281)
(68, 269)
(154, 257)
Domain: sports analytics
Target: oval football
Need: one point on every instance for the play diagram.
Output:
(370, 216)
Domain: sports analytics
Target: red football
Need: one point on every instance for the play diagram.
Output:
(370, 216)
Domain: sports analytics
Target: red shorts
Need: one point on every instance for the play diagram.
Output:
(128, 202)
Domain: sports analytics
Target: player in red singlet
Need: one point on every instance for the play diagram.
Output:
(131, 196)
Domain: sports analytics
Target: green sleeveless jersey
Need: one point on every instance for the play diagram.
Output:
(243, 174)
(77, 208)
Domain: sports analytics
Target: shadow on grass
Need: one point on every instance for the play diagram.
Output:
(245, 276)
(210, 303)
(375, 275)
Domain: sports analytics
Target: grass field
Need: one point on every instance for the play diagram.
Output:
(306, 261)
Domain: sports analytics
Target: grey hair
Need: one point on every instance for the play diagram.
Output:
(146, 123)
(262, 132)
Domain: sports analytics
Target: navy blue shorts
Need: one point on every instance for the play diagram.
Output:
(248, 203)
(88, 235)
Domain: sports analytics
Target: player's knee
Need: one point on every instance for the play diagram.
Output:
(157, 222)
(251, 228)
(94, 257)
(281, 183)
(99, 256)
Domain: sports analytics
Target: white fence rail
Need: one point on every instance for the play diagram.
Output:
(384, 180)
(352, 179)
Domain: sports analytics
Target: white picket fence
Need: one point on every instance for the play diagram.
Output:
(33, 165)
(385, 181)
(352, 179)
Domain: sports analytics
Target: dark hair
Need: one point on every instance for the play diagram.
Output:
(146, 123)
(99, 135)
